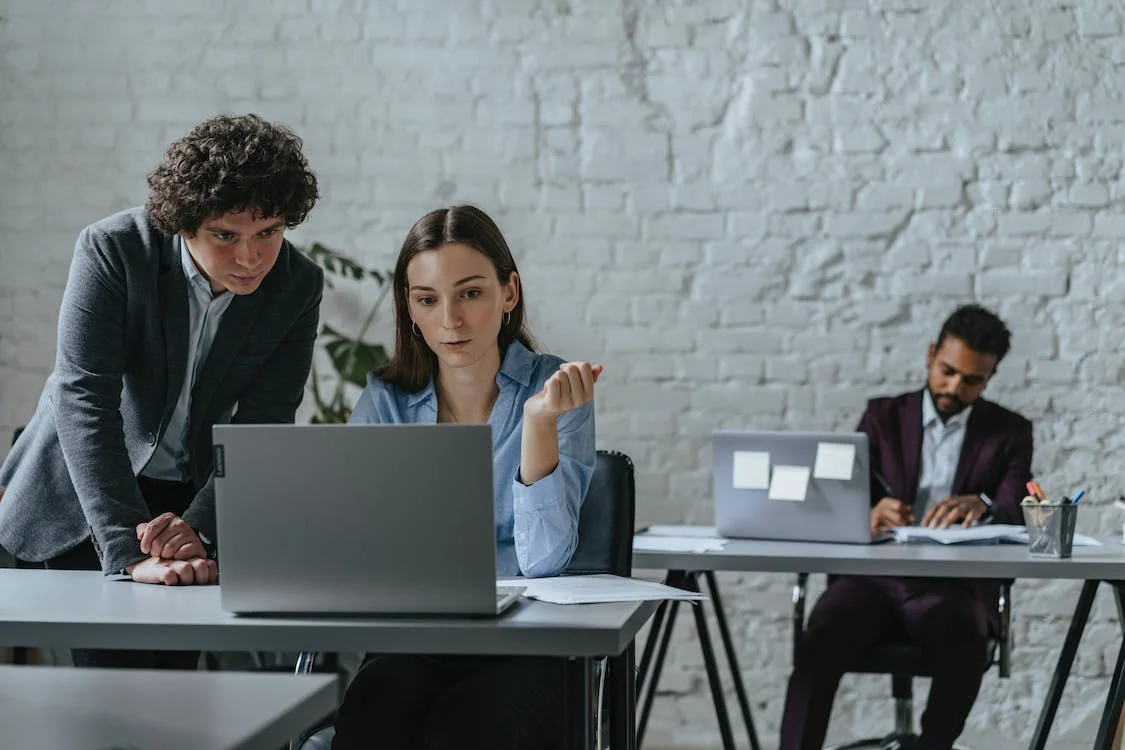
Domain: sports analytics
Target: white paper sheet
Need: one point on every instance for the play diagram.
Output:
(657, 543)
(682, 530)
(834, 461)
(751, 470)
(597, 589)
(789, 483)
(995, 532)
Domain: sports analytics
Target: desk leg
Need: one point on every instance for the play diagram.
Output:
(1062, 667)
(732, 661)
(712, 667)
(623, 701)
(578, 726)
(649, 682)
(649, 677)
(654, 631)
(1115, 699)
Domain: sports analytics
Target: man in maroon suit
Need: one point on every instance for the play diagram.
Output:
(940, 456)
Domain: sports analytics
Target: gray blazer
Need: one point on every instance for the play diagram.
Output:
(122, 355)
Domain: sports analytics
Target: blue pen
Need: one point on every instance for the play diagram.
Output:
(1078, 496)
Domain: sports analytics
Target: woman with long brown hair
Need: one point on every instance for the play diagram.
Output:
(463, 355)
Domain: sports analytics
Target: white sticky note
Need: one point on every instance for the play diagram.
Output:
(789, 483)
(751, 470)
(834, 461)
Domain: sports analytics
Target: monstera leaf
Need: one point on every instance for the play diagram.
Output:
(337, 263)
(352, 359)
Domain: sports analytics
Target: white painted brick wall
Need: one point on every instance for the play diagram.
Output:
(755, 213)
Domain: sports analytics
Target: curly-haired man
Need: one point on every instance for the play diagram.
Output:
(190, 311)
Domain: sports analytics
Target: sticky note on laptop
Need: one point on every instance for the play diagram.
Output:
(751, 470)
(789, 483)
(834, 461)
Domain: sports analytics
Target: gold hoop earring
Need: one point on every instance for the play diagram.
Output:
(507, 318)
(417, 331)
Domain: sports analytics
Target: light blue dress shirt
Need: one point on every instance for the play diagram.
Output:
(205, 313)
(941, 452)
(536, 524)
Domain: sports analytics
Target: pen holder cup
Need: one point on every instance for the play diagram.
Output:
(1050, 528)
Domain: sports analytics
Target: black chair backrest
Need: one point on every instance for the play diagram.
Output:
(605, 525)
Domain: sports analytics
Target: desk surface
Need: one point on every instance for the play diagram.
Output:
(81, 609)
(930, 560)
(45, 708)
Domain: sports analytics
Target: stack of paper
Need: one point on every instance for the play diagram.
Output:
(996, 532)
(597, 589)
(678, 539)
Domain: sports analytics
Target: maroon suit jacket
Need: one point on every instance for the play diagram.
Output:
(995, 458)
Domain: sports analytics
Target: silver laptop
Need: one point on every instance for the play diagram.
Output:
(357, 519)
(801, 486)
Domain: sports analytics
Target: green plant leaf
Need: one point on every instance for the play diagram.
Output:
(337, 263)
(352, 359)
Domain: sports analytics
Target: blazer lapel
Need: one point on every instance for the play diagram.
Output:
(233, 330)
(172, 288)
(975, 436)
(910, 421)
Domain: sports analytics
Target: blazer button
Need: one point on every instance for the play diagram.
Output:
(151, 438)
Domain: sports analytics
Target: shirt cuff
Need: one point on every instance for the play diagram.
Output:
(545, 491)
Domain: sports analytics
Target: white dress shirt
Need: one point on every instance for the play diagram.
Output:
(205, 310)
(941, 452)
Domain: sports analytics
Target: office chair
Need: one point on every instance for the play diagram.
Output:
(904, 661)
(605, 545)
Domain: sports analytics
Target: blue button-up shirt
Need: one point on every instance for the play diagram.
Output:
(536, 524)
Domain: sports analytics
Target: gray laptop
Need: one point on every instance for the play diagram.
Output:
(800, 486)
(357, 519)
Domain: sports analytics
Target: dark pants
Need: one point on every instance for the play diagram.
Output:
(445, 702)
(161, 497)
(945, 617)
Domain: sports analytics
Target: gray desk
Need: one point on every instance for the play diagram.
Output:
(78, 609)
(1093, 565)
(46, 708)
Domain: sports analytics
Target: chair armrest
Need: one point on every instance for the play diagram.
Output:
(800, 590)
(1004, 607)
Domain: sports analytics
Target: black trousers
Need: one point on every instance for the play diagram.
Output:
(161, 497)
(445, 702)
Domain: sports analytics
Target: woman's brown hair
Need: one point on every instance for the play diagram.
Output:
(413, 363)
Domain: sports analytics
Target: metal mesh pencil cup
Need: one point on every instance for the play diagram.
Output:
(1050, 528)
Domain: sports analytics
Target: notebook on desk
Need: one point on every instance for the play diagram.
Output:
(357, 519)
(796, 486)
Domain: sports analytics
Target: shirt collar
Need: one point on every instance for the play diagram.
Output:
(930, 414)
(518, 364)
(191, 272)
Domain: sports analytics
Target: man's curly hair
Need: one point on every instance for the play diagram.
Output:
(229, 164)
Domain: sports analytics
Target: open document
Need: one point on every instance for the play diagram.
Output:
(596, 589)
(995, 532)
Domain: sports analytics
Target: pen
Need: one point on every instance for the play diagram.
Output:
(882, 482)
(1079, 496)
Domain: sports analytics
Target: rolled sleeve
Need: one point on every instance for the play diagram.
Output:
(546, 512)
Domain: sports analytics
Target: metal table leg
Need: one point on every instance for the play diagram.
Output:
(1115, 699)
(712, 667)
(578, 725)
(732, 661)
(623, 701)
(649, 678)
(1062, 667)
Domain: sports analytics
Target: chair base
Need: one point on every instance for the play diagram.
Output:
(894, 741)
